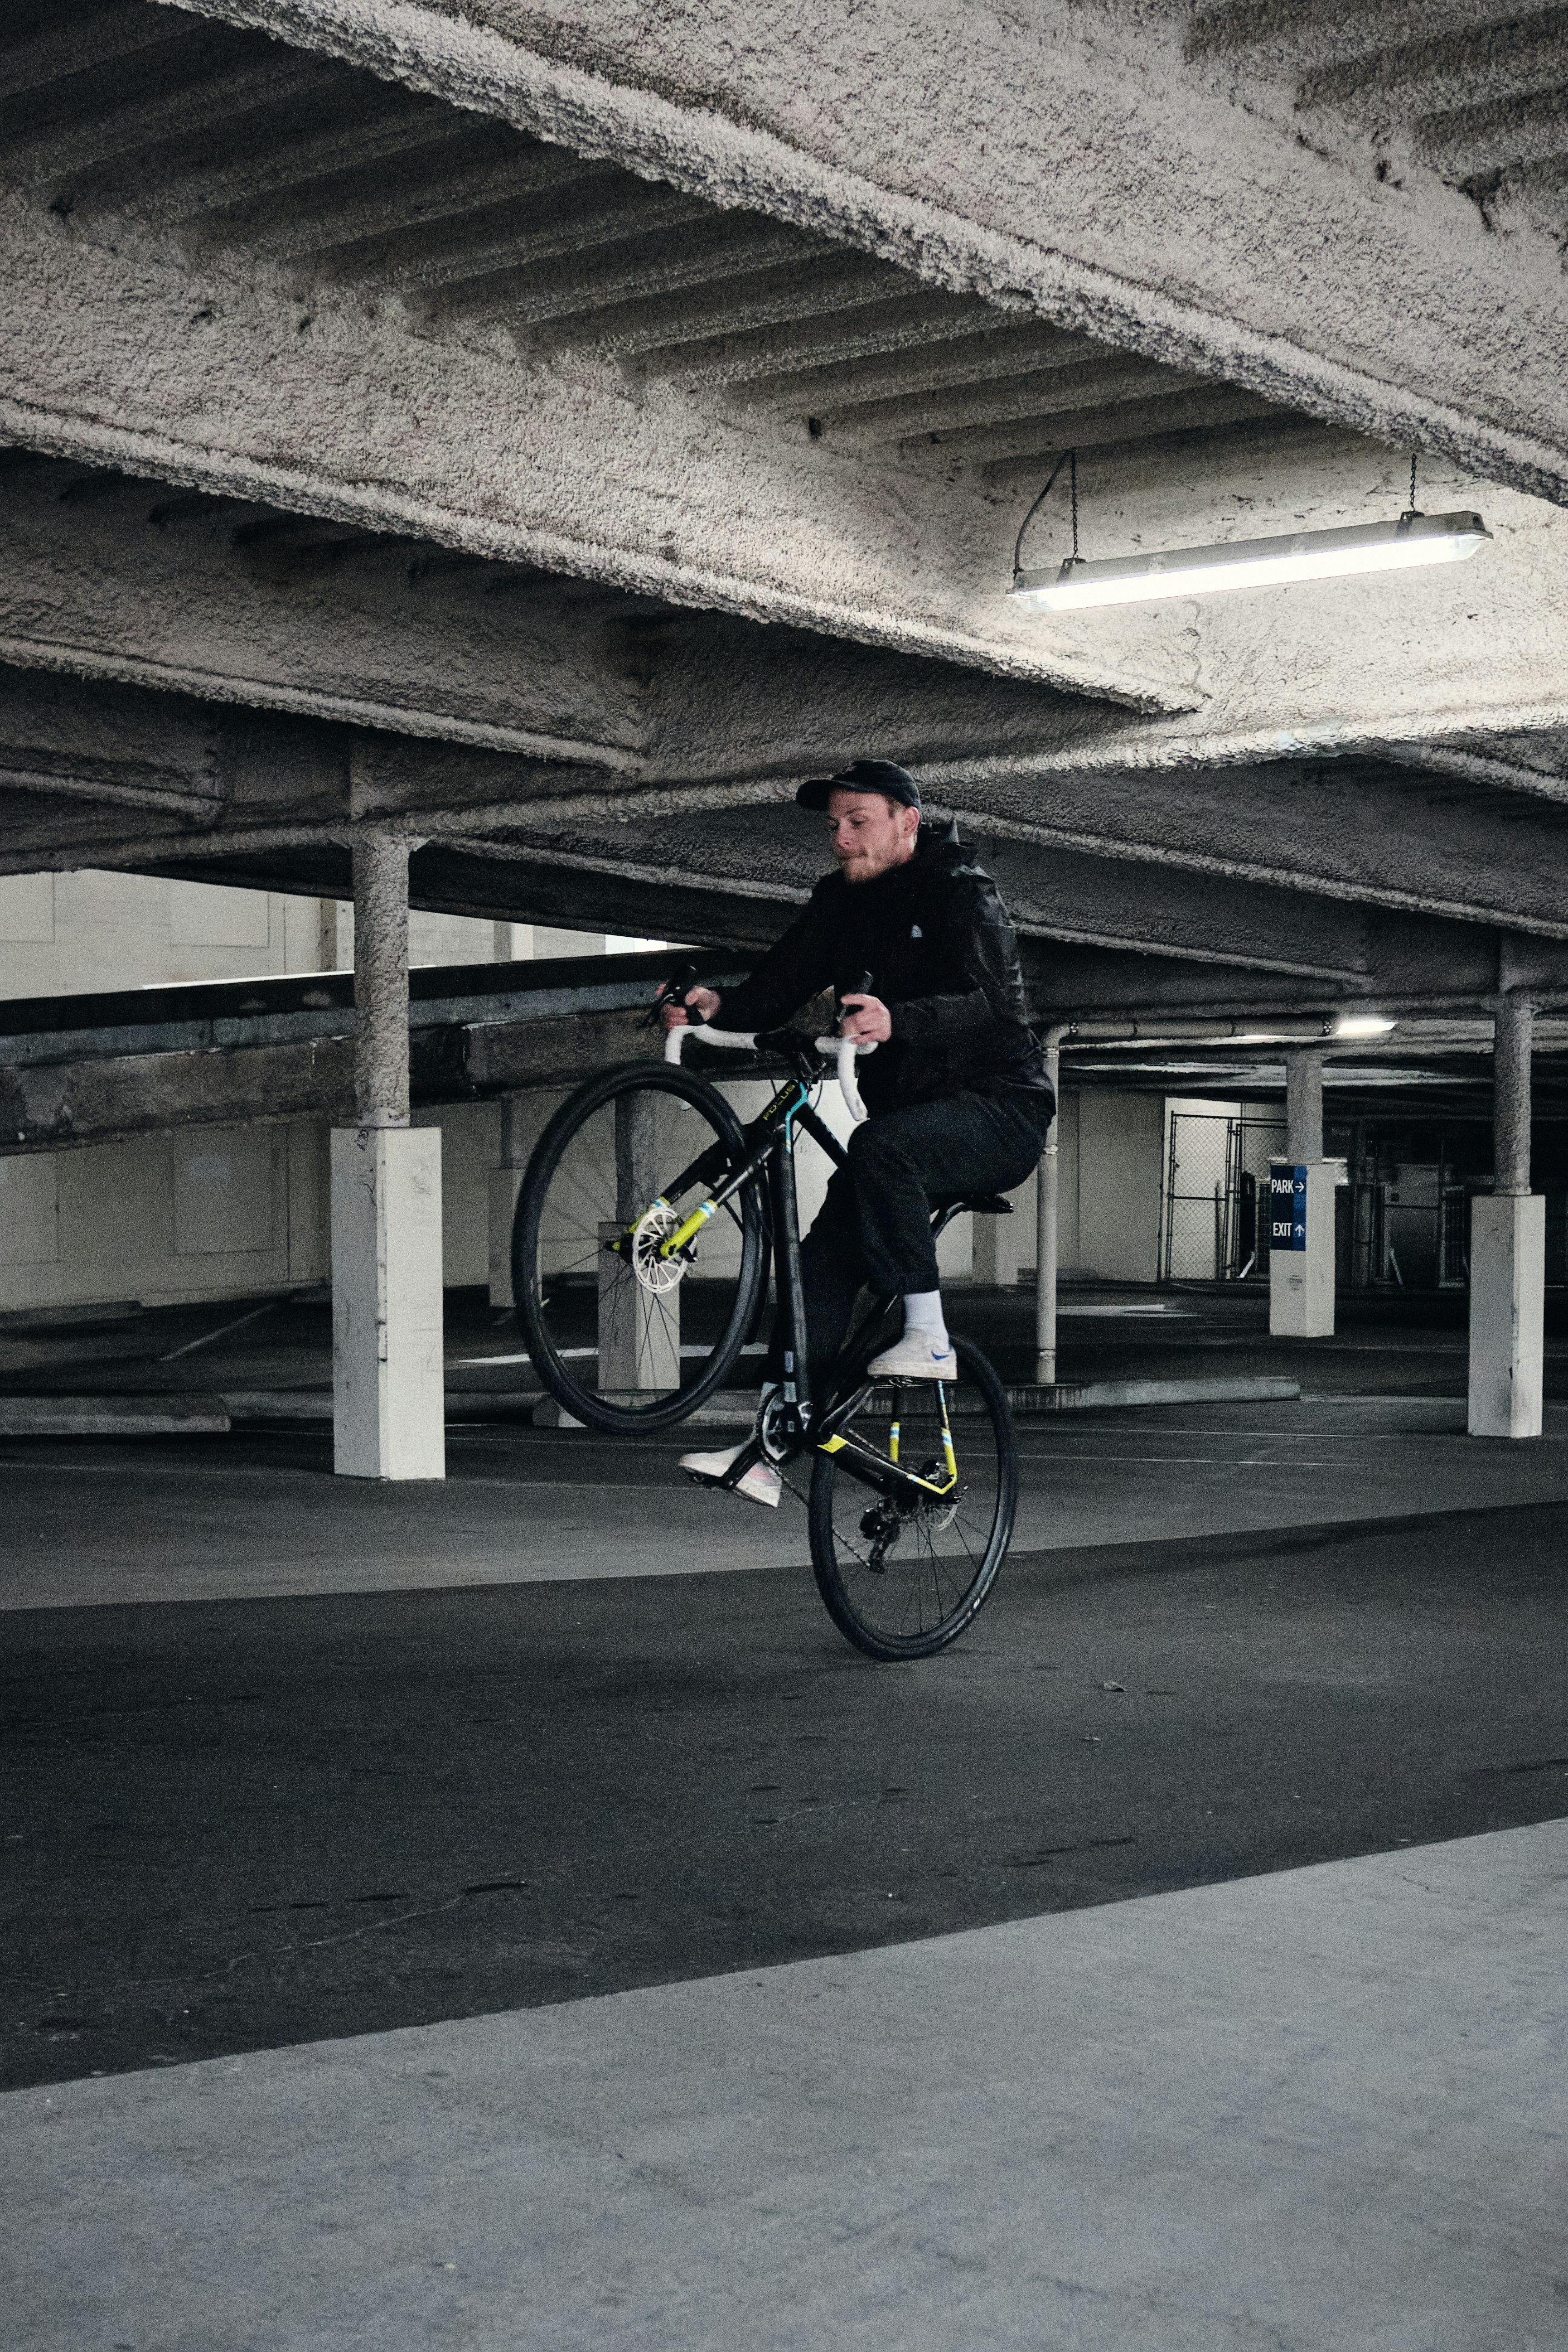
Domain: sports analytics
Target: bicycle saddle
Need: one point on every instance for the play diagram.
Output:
(982, 1204)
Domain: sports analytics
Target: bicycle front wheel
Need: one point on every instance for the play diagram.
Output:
(903, 1578)
(625, 1333)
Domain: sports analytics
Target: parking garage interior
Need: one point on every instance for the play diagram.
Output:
(461, 468)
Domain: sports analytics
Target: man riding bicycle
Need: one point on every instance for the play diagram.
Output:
(957, 1093)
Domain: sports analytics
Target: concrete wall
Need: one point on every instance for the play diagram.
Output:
(65, 934)
(1119, 1163)
(68, 934)
(1110, 1169)
(219, 1213)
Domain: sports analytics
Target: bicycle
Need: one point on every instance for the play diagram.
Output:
(648, 1211)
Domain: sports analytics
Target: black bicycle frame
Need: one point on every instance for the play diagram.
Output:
(770, 1140)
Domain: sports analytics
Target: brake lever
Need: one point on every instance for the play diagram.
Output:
(674, 991)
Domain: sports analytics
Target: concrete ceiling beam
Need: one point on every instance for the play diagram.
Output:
(642, 265)
(324, 408)
(1451, 72)
(1306, 38)
(450, 175)
(945, 341)
(1013, 455)
(1090, 167)
(1063, 382)
(1472, 142)
(101, 36)
(1338, 830)
(808, 299)
(676, 710)
(239, 613)
(96, 124)
(52, 1105)
(350, 123)
(496, 255)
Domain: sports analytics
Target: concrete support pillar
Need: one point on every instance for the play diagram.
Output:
(1301, 1268)
(521, 1117)
(388, 1391)
(1048, 1231)
(996, 1250)
(1507, 1250)
(1302, 1263)
(381, 979)
(388, 1402)
(639, 1330)
(1304, 1105)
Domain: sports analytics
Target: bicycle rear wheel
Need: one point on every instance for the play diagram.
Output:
(623, 1337)
(902, 1580)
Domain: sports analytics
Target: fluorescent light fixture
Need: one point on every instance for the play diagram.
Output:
(1361, 1024)
(1254, 563)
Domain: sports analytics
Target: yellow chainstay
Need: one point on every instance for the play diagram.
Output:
(833, 1446)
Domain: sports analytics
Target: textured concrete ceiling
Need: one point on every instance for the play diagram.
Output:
(546, 428)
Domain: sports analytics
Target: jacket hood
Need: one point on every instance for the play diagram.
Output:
(933, 839)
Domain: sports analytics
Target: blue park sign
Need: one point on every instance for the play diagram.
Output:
(1287, 1207)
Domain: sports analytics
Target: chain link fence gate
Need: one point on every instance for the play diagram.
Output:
(1216, 1170)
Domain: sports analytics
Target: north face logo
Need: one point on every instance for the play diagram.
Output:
(916, 932)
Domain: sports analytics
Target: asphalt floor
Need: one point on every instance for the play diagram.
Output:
(233, 1823)
(506, 1911)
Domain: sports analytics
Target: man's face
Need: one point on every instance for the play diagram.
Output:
(870, 832)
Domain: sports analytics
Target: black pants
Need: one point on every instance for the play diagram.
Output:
(874, 1227)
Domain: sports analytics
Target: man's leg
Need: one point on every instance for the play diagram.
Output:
(832, 1273)
(966, 1143)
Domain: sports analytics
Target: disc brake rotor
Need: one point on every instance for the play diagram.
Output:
(940, 1514)
(649, 1236)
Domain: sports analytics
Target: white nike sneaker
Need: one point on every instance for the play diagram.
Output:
(760, 1484)
(914, 1358)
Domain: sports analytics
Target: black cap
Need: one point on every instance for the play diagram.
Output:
(863, 776)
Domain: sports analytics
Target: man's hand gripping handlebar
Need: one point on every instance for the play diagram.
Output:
(678, 1026)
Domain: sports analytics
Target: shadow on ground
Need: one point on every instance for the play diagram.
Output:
(239, 1824)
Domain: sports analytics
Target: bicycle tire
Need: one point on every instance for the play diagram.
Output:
(582, 1401)
(944, 1589)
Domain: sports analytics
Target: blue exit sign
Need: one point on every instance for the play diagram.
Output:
(1287, 1208)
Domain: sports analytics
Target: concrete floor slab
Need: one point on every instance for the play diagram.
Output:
(1317, 2112)
(228, 1826)
(253, 1516)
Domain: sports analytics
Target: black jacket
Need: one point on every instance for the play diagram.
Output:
(934, 936)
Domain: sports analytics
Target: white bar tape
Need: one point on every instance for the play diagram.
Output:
(839, 1050)
(743, 1039)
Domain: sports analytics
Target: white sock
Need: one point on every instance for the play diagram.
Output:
(922, 1313)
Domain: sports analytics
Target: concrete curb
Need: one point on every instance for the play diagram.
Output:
(277, 1404)
(1102, 1394)
(145, 1416)
(113, 1416)
(735, 1408)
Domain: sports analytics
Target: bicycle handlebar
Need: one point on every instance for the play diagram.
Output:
(839, 1050)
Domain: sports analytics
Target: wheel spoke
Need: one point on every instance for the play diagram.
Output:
(617, 1145)
(939, 1567)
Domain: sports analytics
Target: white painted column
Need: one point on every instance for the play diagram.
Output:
(1507, 1249)
(1302, 1279)
(388, 1399)
(1048, 1227)
(639, 1330)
